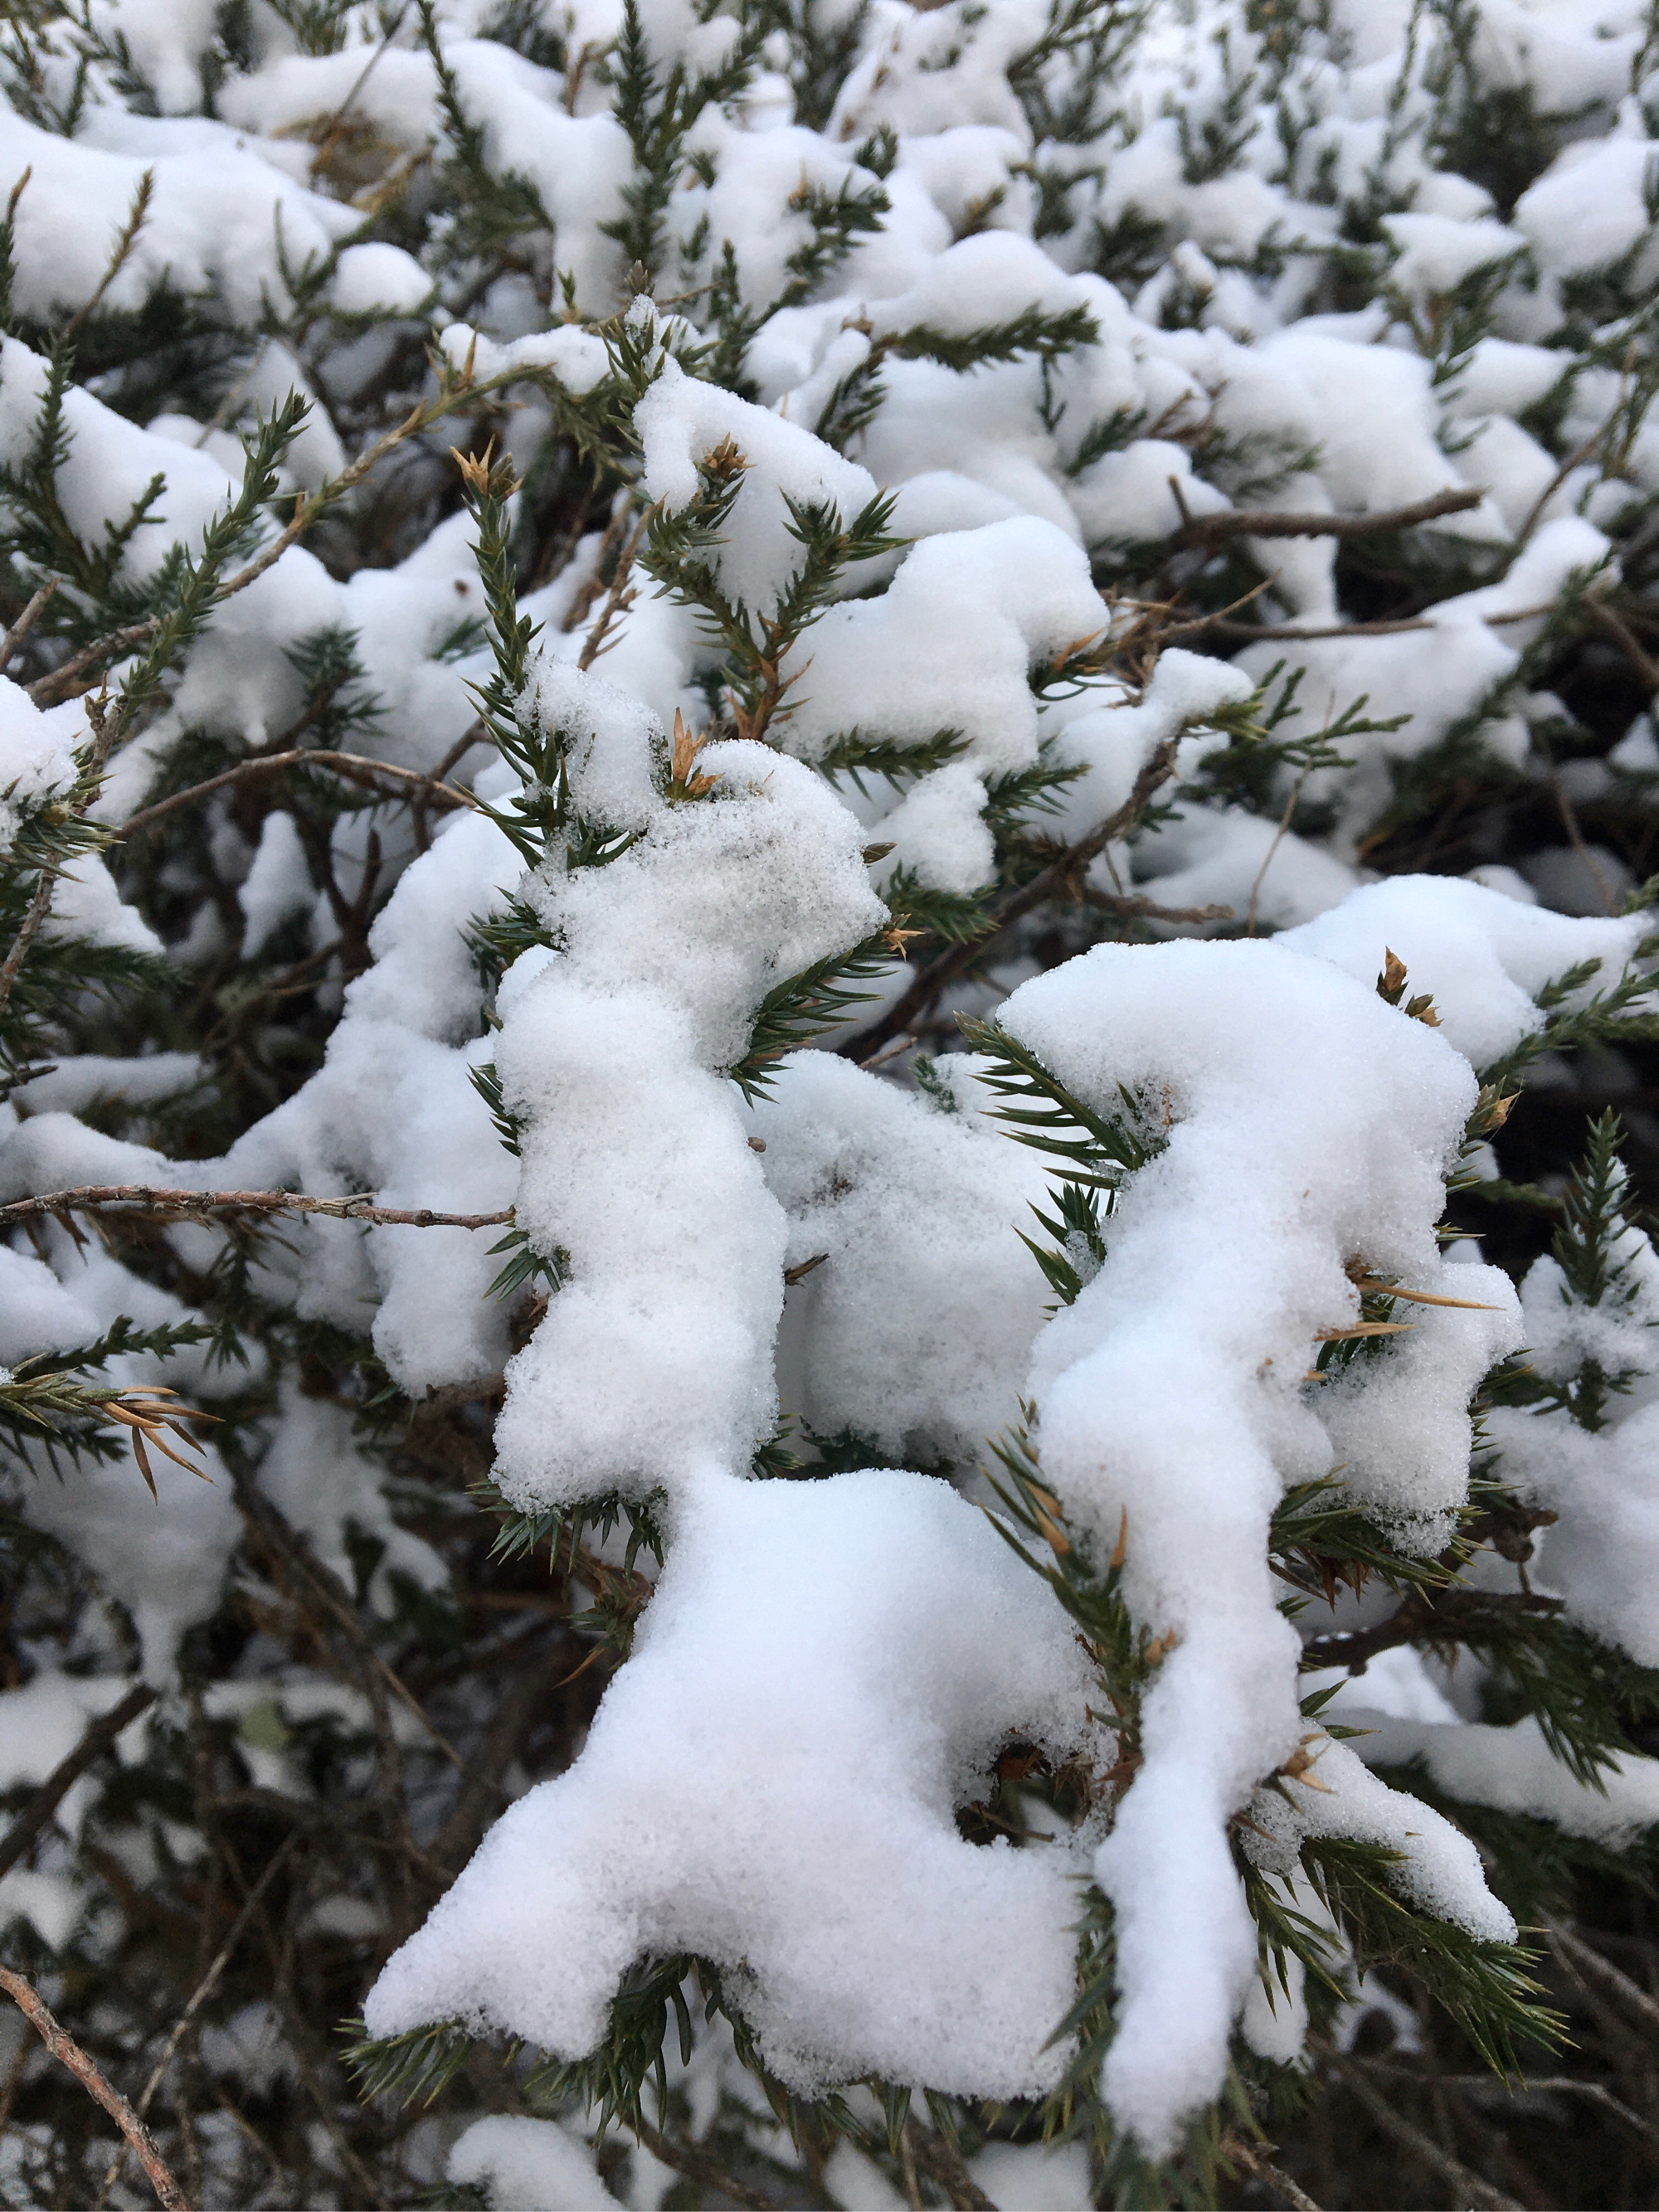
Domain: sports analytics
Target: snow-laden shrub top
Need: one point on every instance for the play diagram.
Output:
(584, 583)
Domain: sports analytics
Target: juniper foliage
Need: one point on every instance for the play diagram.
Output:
(286, 549)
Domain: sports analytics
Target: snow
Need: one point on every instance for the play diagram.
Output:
(90, 1076)
(820, 1678)
(913, 1209)
(277, 886)
(682, 420)
(527, 2166)
(992, 277)
(653, 1362)
(1600, 1556)
(829, 1662)
(1439, 1868)
(1436, 253)
(1514, 1770)
(1030, 2178)
(164, 1555)
(213, 225)
(577, 163)
(1482, 955)
(1128, 498)
(326, 1487)
(1170, 1393)
(37, 755)
(378, 280)
(950, 644)
(1204, 856)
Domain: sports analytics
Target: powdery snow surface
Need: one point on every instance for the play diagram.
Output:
(1306, 1122)
(822, 1674)
(829, 1666)
(911, 1208)
(527, 2166)
(655, 1362)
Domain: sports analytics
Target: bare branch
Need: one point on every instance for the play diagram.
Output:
(1233, 522)
(197, 1205)
(354, 766)
(1445, 1616)
(1605, 618)
(199, 1997)
(1468, 2186)
(44, 1802)
(1602, 1974)
(1254, 2157)
(698, 2165)
(943, 2165)
(1573, 2085)
(620, 596)
(64, 2048)
(1133, 909)
(26, 622)
(1063, 874)
(1310, 633)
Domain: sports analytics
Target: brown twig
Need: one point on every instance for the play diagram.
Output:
(195, 1205)
(1232, 522)
(1132, 909)
(939, 2159)
(620, 595)
(1310, 633)
(1570, 823)
(58, 682)
(352, 766)
(288, 1548)
(1469, 2186)
(34, 914)
(1579, 456)
(481, 1793)
(433, 782)
(1254, 2157)
(68, 2051)
(1444, 1616)
(912, 2195)
(46, 1799)
(1063, 871)
(1553, 2084)
(1602, 1974)
(26, 622)
(1279, 835)
(1605, 618)
(593, 587)
(283, 1537)
(337, 121)
(699, 2165)
(197, 1998)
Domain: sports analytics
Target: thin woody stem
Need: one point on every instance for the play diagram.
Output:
(68, 2051)
(188, 1205)
(199, 1997)
(1065, 870)
(99, 1737)
(1233, 522)
(46, 689)
(26, 622)
(355, 768)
